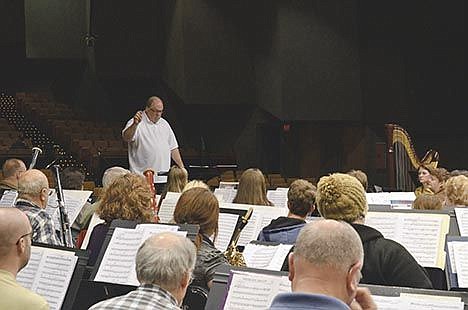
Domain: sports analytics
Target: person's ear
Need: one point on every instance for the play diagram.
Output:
(186, 279)
(291, 266)
(353, 277)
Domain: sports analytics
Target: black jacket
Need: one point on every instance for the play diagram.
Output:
(387, 262)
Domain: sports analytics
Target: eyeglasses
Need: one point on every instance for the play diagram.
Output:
(23, 236)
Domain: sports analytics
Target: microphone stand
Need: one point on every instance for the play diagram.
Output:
(64, 220)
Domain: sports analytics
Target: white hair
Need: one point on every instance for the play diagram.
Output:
(164, 259)
(329, 243)
(111, 174)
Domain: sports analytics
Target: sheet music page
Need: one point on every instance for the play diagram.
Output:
(53, 274)
(118, 263)
(387, 302)
(150, 229)
(166, 211)
(278, 197)
(95, 220)
(285, 285)
(423, 235)
(225, 194)
(8, 199)
(224, 185)
(261, 217)
(452, 256)
(251, 291)
(387, 223)
(460, 255)
(258, 255)
(74, 202)
(432, 302)
(462, 220)
(279, 257)
(378, 198)
(226, 226)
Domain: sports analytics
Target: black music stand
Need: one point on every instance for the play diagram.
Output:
(73, 287)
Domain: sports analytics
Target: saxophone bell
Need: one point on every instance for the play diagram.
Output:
(232, 254)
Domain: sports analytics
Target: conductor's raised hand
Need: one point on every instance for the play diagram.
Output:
(137, 118)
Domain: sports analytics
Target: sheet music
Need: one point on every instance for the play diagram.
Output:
(423, 235)
(224, 184)
(166, 211)
(225, 194)
(460, 256)
(74, 200)
(118, 263)
(462, 220)
(391, 198)
(261, 217)
(251, 291)
(8, 199)
(431, 302)
(226, 226)
(95, 220)
(49, 274)
(387, 302)
(278, 197)
(270, 257)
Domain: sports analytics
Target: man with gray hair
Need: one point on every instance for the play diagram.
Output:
(33, 195)
(325, 269)
(164, 265)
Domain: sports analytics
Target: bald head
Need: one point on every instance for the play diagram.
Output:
(34, 186)
(13, 167)
(111, 174)
(329, 243)
(13, 225)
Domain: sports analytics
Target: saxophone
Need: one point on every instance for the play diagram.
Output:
(234, 256)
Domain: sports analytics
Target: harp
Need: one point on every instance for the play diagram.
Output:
(402, 158)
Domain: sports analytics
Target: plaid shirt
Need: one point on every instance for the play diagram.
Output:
(146, 296)
(42, 225)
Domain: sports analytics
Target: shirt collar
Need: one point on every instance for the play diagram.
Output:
(159, 290)
(21, 200)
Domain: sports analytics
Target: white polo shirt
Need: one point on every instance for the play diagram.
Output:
(151, 145)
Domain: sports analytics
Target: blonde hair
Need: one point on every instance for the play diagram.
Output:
(427, 202)
(128, 197)
(456, 190)
(177, 179)
(198, 206)
(341, 197)
(252, 188)
(195, 183)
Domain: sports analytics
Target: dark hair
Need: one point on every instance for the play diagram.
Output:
(72, 178)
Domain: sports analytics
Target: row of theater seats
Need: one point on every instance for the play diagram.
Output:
(84, 139)
(272, 180)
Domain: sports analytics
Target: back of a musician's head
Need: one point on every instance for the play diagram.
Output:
(72, 178)
(127, 198)
(301, 197)
(12, 167)
(341, 197)
(456, 190)
(361, 176)
(165, 259)
(31, 183)
(428, 202)
(176, 179)
(252, 188)
(111, 174)
(329, 245)
(198, 206)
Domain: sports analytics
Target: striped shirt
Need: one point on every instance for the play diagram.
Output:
(146, 296)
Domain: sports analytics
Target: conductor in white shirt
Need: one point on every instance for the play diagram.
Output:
(151, 141)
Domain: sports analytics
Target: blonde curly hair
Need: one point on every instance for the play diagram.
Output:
(128, 197)
(456, 190)
(341, 197)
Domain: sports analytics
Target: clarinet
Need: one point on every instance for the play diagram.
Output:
(64, 220)
(36, 152)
